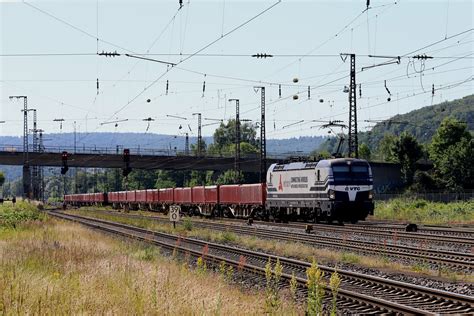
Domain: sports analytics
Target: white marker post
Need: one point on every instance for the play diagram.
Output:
(174, 214)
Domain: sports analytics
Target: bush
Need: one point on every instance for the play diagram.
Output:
(187, 224)
(228, 236)
(13, 215)
(423, 182)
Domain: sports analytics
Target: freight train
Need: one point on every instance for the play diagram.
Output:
(326, 190)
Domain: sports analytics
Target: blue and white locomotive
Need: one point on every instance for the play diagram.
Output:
(327, 190)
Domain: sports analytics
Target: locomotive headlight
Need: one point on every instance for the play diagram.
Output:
(371, 195)
(332, 194)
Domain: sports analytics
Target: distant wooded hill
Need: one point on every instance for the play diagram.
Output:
(421, 123)
(424, 122)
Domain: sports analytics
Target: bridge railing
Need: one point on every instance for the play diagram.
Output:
(144, 151)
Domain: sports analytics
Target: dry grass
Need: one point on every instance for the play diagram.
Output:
(56, 267)
(286, 249)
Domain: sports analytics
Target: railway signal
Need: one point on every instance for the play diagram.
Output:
(64, 167)
(126, 159)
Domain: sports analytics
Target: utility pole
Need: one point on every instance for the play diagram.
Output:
(263, 138)
(26, 164)
(186, 145)
(353, 140)
(35, 169)
(41, 171)
(74, 137)
(237, 139)
(199, 140)
(117, 172)
(75, 169)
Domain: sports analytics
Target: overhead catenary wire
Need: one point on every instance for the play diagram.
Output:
(305, 85)
(191, 55)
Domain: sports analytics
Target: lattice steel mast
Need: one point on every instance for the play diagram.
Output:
(353, 140)
(26, 164)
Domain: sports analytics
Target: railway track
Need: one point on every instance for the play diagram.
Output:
(436, 258)
(452, 235)
(385, 232)
(359, 293)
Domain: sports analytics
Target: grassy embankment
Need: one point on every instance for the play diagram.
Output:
(425, 212)
(285, 249)
(49, 266)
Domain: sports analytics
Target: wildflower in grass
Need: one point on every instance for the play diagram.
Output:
(230, 273)
(315, 289)
(205, 250)
(222, 269)
(293, 286)
(334, 284)
(242, 263)
(272, 297)
(201, 265)
(268, 272)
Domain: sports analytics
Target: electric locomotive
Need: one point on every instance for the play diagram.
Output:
(327, 190)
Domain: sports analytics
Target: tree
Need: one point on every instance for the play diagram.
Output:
(230, 177)
(141, 179)
(225, 134)
(452, 153)
(164, 180)
(364, 151)
(423, 181)
(407, 151)
(224, 145)
(320, 154)
(194, 148)
(384, 149)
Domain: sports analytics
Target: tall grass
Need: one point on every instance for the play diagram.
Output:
(57, 268)
(425, 212)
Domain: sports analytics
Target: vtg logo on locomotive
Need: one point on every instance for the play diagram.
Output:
(352, 188)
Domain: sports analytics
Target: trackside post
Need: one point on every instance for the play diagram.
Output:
(174, 214)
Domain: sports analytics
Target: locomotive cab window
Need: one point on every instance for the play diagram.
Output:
(349, 173)
(359, 171)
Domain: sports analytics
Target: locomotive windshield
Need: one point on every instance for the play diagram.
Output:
(350, 173)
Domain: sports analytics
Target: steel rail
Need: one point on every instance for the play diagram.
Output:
(424, 232)
(437, 257)
(385, 233)
(422, 300)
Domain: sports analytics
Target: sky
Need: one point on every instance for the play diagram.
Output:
(49, 52)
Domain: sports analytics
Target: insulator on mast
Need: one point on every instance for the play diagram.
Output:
(204, 86)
